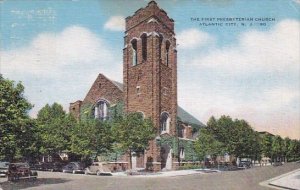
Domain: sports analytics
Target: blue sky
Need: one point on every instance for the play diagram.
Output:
(57, 48)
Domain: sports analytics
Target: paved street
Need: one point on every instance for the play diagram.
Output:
(232, 180)
(290, 180)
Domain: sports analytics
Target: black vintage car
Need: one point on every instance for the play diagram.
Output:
(245, 163)
(18, 171)
(49, 166)
(56, 167)
(277, 163)
(3, 169)
(74, 167)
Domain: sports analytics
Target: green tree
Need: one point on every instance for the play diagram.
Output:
(29, 141)
(133, 133)
(257, 146)
(277, 145)
(239, 139)
(54, 129)
(285, 148)
(266, 145)
(90, 138)
(206, 145)
(14, 119)
(220, 128)
(294, 149)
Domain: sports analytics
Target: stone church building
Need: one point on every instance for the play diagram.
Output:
(149, 87)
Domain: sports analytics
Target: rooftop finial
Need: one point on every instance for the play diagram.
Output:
(152, 2)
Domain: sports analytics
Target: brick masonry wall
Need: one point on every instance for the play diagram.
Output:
(157, 81)
(144, 13)
(74, 109)
(103, 88)
(118, 166)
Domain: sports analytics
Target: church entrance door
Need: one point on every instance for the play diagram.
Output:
(166, 157)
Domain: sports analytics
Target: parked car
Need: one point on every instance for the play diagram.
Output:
(3, 169)
(56, 167)
(245, 163)
(18, 171)
(49, 166)
(277, 163)
(38, 166)
(98, 168)
(73, 167)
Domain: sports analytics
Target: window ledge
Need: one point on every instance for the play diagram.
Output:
(164, 132)
(186, 139)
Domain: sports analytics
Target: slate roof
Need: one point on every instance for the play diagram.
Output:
(182, 114)
(186, 117)
(118, 84)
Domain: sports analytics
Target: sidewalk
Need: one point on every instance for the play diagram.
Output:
(168, 173)
(289, 180)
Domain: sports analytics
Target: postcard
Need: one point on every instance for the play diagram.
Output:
(140, 94)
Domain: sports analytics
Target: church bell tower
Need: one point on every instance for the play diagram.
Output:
(150, 71)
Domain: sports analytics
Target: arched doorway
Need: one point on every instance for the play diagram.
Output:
(166, 157)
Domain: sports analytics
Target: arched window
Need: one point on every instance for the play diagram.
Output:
(167, 52)
(160, 44)
(144, 46)
(164, 122)
(181, 131)
(101, 110)
(134, 51)
(182, 154)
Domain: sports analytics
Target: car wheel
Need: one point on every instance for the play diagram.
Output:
(74, 172)
(98, 173)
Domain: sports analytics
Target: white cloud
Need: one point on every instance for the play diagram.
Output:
(297, 1)
(272, 111)
(256, 79)
(60, 67)
(273, 51)
(193, 38)
(115, 23)
(276, 98)
(49, 52)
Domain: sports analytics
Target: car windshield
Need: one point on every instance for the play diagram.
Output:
(245, 160)
(4, 164)
(21, 165)
(78, 164)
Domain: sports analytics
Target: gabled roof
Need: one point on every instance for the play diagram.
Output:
(265, 133)
(182, 114)
(117, 84)
(186, 117)
(92, 95)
